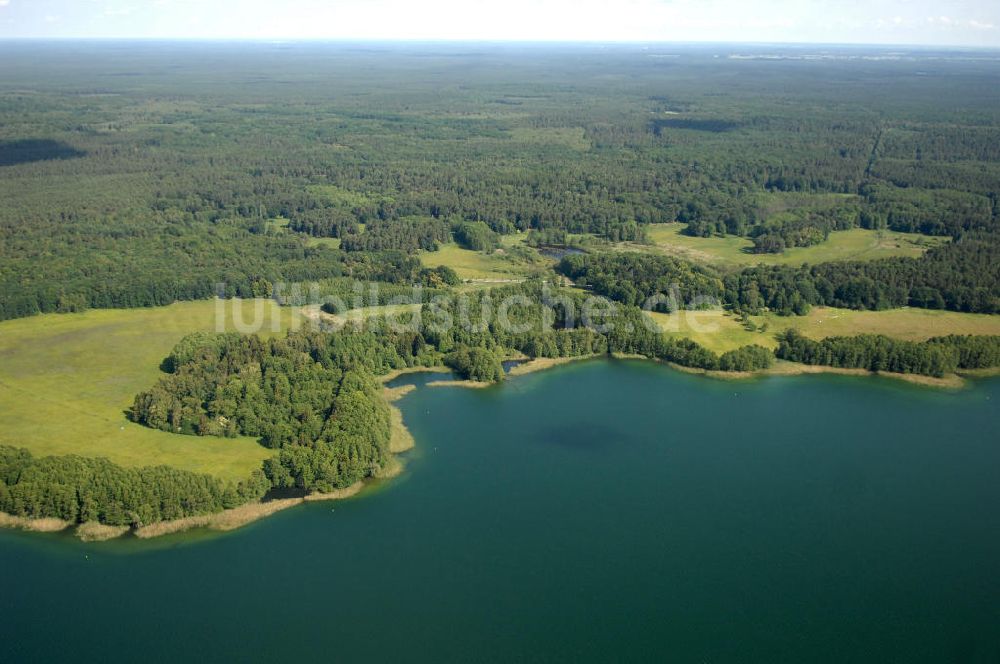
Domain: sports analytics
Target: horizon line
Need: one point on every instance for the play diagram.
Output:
(452, 41)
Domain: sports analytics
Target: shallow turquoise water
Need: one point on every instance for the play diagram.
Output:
(601, 511)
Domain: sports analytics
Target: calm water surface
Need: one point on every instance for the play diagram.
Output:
(602, 511)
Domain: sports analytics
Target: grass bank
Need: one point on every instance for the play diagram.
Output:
(220, 521)
(99, 532)
(473, 384)
(66, 381)
(401, 441)
(513, 261)
(48, 525)
(784, 368)
(721, 331)
(854, 244)
(543, 363)
(240, 516)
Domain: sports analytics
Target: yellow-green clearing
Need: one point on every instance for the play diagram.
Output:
(720, 331)
(512, 262)
(854, 244)
(66, 380)
(332, 242)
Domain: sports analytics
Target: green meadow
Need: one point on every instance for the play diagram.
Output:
(854, 244)
(720, 330)
(67, 379)
(512, 262)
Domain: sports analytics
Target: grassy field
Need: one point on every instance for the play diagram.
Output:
(332, 242)
(506, 264)
(66, 380)
(855, 244)
(313, 312)
(720, 331)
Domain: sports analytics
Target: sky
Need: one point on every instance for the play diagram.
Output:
(916, 22)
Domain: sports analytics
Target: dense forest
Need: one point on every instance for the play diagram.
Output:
(963, 275)
(934, 357)
(633, 278)
(172, 171)
(409, 234)
(78, 489)
(312, 395)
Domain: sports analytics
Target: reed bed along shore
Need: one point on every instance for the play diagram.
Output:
(47, 525)
(220, 521)
(543, 363)
(240, 516)
(783, 368)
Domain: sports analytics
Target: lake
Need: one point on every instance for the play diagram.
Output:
(606, 510)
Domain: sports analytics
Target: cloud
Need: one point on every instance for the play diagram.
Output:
(118, 11)
(853, 21)
(959, 24)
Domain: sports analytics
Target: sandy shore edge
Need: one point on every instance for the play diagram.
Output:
(219, 521)
(472, 384)
(783, 368)
(92, 531)
(780, 368)
(543, 363)
(240, 516)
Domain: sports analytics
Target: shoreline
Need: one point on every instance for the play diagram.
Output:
(952, 381)
(458, 382)
(544, 363)
(402, 440)
(956, 380)
(396, 373)
(785, 368)
(223, 521)
(780, 368)
(527, 366)
(43, 525)
(237, 517)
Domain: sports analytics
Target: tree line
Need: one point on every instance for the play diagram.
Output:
(634, 278)
(935, 357)
(79, 489)
(963, 275)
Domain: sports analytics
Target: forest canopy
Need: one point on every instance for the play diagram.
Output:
(169, 178)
